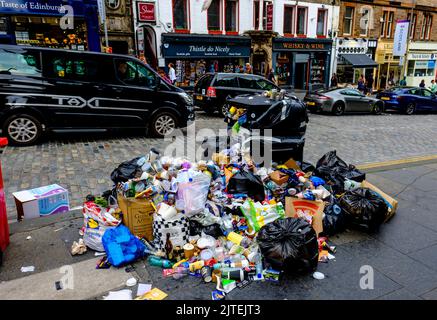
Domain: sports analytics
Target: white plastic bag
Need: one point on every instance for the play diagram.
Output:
(192, 194)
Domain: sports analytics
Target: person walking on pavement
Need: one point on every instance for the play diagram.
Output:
(271, 76)
(334, 81)
(369, 85)
(403, 82)
(361, 84)
(248, 68)
(422, 84)
(171, 73)
(433, 87)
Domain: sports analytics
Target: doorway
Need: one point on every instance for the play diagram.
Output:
(300, 76)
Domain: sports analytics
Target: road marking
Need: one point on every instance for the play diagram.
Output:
(411, 160)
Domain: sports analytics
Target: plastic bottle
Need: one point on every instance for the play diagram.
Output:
(239, 239)
(259, 268)
(160, 262)
(180, 272)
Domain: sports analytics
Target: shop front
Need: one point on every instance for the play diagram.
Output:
(302, 63)
(389, 68)
(195, 55)
(354, 57)
(421, 63)
(43, 23)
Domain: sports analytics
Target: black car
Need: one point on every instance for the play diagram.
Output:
(59, 90)
(212, 90)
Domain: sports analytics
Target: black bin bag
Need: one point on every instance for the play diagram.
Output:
(290, 245)
(364, 209)
(126, 170)
(334, 170)
(334, 219)
(248, 183)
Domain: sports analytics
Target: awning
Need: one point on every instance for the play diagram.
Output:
(359, 60)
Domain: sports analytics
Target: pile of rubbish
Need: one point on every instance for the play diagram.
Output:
(230, 223)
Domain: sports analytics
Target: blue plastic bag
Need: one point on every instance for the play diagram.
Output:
(122, 246)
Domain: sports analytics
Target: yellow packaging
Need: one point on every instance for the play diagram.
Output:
(197, 265)
(235, 238)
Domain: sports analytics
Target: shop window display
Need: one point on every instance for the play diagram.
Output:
(317, 74)
(283, 69)
(45, 32)
(188, 72)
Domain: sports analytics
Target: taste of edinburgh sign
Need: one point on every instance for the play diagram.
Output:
(52, 7)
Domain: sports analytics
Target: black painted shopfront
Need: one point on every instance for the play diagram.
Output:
(302, 63)
(195, 55)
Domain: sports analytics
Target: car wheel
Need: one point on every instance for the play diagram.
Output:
(22, 129)
(163, 123)
(338, 108)
(410, 109)
(378, 108)
(224, 110)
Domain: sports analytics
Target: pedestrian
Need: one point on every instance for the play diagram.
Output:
(403, 82)
(334, 80)
(422, 84)
(369, 84)
(248, 68)
(171, 73)
(271, 76)
(361, 84)
(391, 79)
(433, 86)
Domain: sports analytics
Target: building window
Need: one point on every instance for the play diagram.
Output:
(365, 20)
(214, 16)
(266, 3)
(426, 27)
(231, 15)
(256, 14)
(301, 28)
(180, 14)
(113, 4)
(387, 24)
(413, 23)
(288, 20)
(321, 22)
(390, 24)
(348, 20)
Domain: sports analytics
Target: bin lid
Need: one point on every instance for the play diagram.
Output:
(3, 141)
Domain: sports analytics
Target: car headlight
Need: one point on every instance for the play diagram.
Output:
(187, 98)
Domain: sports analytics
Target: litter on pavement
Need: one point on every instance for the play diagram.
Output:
(228, 223)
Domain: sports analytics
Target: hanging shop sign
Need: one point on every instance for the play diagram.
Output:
(401, 38)
(269, 24)
(146, 11)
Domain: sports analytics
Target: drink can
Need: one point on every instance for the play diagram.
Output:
(206, 273)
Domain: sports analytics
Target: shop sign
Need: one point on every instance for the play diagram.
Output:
(43, 7)
(300, 46)
(269, 24)
(421, 64)
(401, 38)
(431, 64)
(146, 12)
(421, 56)
(201, 51)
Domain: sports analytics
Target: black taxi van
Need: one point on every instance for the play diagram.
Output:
(55, 90)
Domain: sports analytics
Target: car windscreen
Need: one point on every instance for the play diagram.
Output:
(205, 81)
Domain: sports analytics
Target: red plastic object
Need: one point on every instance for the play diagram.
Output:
(4, 227)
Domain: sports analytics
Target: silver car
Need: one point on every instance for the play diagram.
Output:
(340, 100)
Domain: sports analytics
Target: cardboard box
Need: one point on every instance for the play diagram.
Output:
(294, 206)
(391, 202)
(278, 177)
(41, 202)
(137, 216)
(291, 164)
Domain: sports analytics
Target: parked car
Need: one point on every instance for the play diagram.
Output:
(59, 90)
(212, 90)
(408, 99)
(340, 100)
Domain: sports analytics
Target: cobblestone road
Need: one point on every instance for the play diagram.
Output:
(83, 164)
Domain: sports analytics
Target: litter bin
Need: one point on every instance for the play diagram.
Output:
(286, 119)
(4, 227)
